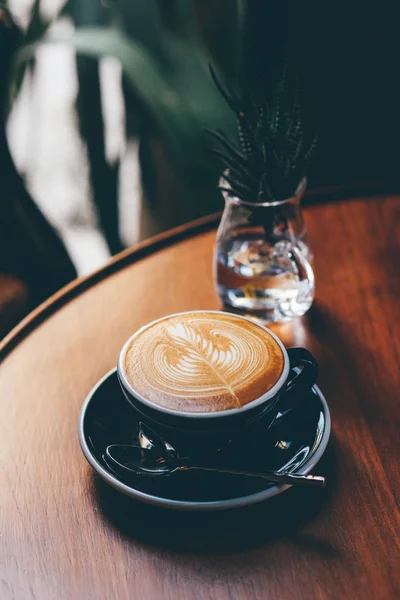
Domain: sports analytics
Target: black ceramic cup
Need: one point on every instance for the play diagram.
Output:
(193, 433)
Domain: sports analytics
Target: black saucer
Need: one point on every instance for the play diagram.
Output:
(294, 443)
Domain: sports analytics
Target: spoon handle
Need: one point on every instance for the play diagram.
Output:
(286, 479)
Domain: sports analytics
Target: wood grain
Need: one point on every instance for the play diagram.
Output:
(66, 535)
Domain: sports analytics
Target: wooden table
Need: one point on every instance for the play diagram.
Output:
(65, 535)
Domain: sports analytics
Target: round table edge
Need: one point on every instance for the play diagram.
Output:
(155, 243)
(116, 263)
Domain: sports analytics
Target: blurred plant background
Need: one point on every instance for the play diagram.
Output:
(108, 129)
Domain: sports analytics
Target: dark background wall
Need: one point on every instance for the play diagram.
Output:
(348, 54)
(351, 56)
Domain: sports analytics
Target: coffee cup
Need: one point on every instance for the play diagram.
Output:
(200, 378)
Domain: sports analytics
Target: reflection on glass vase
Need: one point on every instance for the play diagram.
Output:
(263, 261)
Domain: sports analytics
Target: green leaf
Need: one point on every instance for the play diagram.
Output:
(181, 102)
(141, 22)
(184, 18)
(88, 13)
(139, 67)
(37, 28)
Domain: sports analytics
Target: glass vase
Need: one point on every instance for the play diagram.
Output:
(263, 262)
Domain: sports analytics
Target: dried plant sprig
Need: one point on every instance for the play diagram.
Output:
(275, 146)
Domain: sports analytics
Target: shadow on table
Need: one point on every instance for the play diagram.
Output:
(343, 356)
(222, 532)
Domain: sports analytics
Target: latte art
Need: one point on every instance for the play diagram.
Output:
(202, 362)
(199, 364)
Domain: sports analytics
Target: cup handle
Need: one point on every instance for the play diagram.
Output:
(306, 378)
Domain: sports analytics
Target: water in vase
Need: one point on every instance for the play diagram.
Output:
(273, 281)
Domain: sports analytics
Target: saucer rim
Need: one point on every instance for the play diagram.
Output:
(214, 505)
